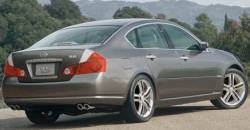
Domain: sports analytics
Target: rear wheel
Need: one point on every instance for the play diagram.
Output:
(42, 116)
(140, 104)
(235, 90)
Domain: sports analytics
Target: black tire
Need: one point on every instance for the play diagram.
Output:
(128, 111)
(219, 102)
(42, 117)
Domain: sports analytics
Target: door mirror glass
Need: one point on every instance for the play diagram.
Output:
(204, 46)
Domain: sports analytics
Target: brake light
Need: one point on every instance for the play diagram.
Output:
(11, 71)
(91, 62)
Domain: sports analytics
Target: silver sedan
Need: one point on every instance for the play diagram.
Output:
(127, 65)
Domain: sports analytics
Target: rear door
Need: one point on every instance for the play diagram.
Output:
(162, 61)
(198, 73)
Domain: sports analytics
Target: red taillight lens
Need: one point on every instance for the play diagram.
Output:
(10, 71)
(96, 63)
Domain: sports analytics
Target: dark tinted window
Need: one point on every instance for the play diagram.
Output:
(180, 38)
(92, 35)
(147, 36)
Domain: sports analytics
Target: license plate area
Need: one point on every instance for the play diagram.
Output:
(45, 69)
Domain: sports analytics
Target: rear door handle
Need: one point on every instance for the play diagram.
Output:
(151, 57)
(184, 58)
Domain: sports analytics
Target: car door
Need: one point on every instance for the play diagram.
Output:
(162, 61)
(198, 73)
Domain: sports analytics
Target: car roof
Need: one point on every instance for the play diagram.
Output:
(115, 22)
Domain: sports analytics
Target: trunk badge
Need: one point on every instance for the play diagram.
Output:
(43, 54)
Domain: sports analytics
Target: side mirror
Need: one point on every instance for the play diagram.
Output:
(204, 45)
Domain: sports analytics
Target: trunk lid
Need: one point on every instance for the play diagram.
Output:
(46, 64)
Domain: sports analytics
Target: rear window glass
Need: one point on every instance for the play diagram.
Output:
(92, 35)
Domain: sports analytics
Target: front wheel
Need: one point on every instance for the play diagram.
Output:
(42, 116)
(140, 104)
(235, 90)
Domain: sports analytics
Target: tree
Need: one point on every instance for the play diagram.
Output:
(235, 38)
(3, 28)
(66, 11)
(160, 16)
(226, 24)
(131, 12)
(245, 22)
(183, 24)
(3, 55)
(63, 9)
(26, 23)
(204, 28)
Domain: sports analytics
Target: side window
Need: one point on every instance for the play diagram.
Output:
(180, 38)
(147, 36)
(132, 38)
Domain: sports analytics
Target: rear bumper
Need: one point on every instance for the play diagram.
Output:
(106, 100)
(90, 89)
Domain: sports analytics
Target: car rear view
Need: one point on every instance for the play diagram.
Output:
(60, 71)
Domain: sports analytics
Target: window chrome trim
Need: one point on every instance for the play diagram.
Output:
(155, 23)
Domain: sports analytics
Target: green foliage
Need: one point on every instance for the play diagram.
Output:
(183, 24)
(66, 11)
(204, 29)
(3, 55)
(131, 12)
(3, 28)
(63, 9)
(245, 22)
(247, 65)
(26, 21)
(226, 24)
(236, 40)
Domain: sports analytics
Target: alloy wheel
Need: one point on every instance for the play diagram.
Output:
(234, 89)
(143, 98)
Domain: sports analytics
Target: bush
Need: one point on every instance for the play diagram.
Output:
(247, 65)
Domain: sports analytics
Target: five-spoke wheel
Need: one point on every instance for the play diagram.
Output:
(141, 100)
(235, 90)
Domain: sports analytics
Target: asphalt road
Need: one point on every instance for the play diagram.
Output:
(196, 116)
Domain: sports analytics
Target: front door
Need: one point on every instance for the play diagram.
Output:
(198, 72)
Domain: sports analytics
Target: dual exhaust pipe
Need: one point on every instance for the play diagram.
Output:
(15, 107)
(80, 107)
(83, 107)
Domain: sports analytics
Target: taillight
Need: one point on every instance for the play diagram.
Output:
(91, 62)
(11, 71)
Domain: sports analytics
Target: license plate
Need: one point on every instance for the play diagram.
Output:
(45, 69)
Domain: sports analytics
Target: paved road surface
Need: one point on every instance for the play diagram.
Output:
(197, 116)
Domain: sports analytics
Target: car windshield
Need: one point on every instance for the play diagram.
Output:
(88, 35)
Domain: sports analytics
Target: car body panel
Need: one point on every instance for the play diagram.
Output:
(176, 81)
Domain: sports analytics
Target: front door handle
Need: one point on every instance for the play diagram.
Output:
(151, 57)
(185, 58)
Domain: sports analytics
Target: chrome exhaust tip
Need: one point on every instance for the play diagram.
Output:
(82, 107)
(13, 107)
(18, 107)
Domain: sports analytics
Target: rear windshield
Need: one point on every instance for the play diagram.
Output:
(92, 35)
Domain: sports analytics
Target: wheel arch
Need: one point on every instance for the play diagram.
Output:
(153, 80)
(237, 67)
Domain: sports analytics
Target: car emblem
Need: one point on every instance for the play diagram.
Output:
(43, 54)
